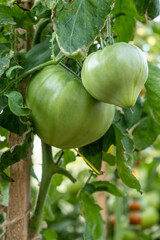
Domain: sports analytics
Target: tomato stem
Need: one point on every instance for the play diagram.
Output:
(49, 169)
(47, 174)
(22, 76)
(69, 70)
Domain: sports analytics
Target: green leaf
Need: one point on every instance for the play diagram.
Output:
(3, 48)
(93, 154)
(48, 212)
(105, 186)
(11, 71)
(5, 16)
(17, 153)
(4, 138)
(87, 233)
(145, 133)
(91, 212)
(40, 10)
(78, 25)
(108, 139)
(50, 234)
(4, 63)
(37, 55)
(153, 91)
(124, 28)
(68, 157)
(148, 7)
(11, 122)
(3, 102)
(133, 115)
(124, 170)
(109, 158)
(50, 3)
(23, 19)
(141, 6)
(15, 102)
(3, 132)
(5, 178)
(153, 9)
(126, 141)
(125, 15)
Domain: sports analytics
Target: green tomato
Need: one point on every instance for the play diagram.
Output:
(153, 199)
(64, 115)
(129, 235)
(149, 216)
(115, 74)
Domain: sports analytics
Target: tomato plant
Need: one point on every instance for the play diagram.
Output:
(50, 52)
(64, 115)
(115, 74)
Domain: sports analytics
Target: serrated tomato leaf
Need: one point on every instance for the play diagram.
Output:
(104, 186)
(78, 25)
(124, 170)
(91, 212)
(153, 91)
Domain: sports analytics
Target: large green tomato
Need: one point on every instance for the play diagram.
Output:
(64, 115)
(115, 74)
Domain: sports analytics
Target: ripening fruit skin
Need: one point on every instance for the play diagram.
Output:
(63, 114)
(134, 205)
(115, 74)
(135, 218)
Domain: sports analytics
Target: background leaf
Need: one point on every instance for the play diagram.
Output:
(91, 211)
(50, 234)
(6, 16)
(105, 186)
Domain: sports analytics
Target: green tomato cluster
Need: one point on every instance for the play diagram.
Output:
(66, 114)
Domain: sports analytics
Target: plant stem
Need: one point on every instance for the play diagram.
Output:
(69, 70)
(118, 211)
(47, 174)
(22, 76)
(40, 27)
(109, 32)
